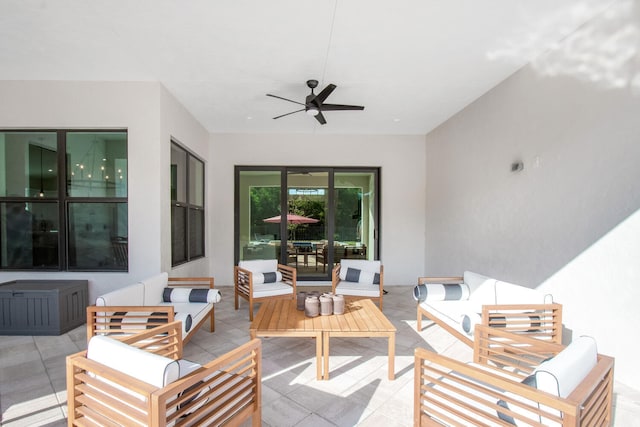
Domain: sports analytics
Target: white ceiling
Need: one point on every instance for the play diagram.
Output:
(411, 63)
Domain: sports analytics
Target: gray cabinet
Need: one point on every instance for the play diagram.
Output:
(42, 307)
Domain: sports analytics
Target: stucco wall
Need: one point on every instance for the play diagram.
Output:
(568, 222)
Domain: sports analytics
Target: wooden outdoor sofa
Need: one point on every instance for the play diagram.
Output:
(457, 304)
(139, 306)
(142, 380)
(512, 381)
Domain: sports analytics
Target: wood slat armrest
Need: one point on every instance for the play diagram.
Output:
(506, 351)
(444, 280)
(192, 282)
(165, 340)
(289, 274)
(104, 320)
(232, 381)
(541, 321)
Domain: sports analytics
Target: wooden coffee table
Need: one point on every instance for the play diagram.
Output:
(361, 318)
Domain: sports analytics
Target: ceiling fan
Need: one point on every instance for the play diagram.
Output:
(314, 104)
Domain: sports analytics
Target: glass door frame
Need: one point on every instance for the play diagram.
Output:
(330, 214)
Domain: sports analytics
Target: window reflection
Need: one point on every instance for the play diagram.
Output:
(28, 164)
(29, 235)
(97, 164)
(98, 236)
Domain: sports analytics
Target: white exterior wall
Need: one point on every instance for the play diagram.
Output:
(570, 221)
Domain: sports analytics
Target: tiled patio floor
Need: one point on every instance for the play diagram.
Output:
(32, 372)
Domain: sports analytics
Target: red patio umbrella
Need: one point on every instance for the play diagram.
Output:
(292, 219)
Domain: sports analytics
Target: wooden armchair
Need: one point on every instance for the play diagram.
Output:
(321, 256)
(513, 381)
(358, 278)
(259, 280)
(142, 380)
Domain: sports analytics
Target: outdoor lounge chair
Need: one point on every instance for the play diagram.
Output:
(358, 278)
(515, 380)
(259, 280)
(142, 380)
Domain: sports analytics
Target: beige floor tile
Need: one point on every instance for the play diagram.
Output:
(32, 372)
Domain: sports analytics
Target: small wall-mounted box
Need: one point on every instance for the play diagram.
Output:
(42, 307)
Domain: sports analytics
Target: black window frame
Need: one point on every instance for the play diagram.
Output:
(63, 201)
(189, 210)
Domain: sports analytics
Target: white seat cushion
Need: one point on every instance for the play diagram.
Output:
(453, 312)
(358, 289)
(197, 311)
(271, 289)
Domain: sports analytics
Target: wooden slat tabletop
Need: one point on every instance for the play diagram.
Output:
(359, 316)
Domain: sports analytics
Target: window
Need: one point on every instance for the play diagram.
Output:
(63, 200)
(187, 206)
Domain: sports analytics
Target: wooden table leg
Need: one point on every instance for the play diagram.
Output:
(319, 364)
(392, 355)
(325, 352)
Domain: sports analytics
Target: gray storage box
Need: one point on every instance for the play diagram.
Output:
(42, 307)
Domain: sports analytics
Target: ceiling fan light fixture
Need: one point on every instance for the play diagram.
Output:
(312, 111)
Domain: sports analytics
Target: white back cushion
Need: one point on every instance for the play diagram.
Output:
(153, 288)
(508, 293)
(567, 369)
(259, 265)
(475, 280)
(485, 293)
(148, 367)
(360, 264)
(129, 295)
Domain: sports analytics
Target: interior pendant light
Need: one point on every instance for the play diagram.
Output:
(41, 194)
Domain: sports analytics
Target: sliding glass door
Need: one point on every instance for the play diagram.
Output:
(307, 217)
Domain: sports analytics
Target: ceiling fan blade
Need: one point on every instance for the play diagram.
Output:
(336, 107)
(282, 115)
(285, 99)
(325, 93)
(320, 118)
